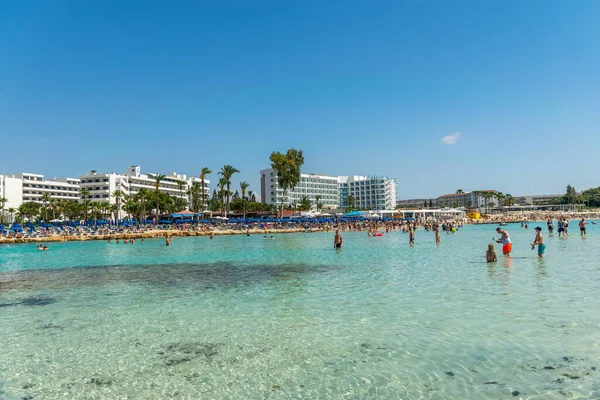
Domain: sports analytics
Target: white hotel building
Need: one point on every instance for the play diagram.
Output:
(11, 189)
(376, 193)
(25, 187)
(369, 193)
(102, 185)
(311, 185)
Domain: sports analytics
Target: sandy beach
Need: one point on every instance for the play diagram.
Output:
(513, 217)
(157, 233)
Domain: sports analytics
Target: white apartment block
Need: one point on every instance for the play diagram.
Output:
(311, 185)
(102, 186)
(369, 193)
(25, 187)
(34, 186)
(11, 189)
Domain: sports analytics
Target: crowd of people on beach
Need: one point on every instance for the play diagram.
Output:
(374, 228)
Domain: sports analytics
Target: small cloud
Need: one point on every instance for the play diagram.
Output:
(451, 139)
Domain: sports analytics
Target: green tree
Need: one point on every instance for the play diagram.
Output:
(243, 187)
(222, 185)
(3, 201)
(500, 198)
(509, 200)
(287, 167)
(22, 213)
(351, 202)
(214, 204)
(53, 208)
(305, 203)
(181, 184)
(459, 191)
(86, 195)
(45, 201)
(197, 197)
(203, 174)
(12, 211)
(570, 196)
(118, 195)
(157, 179)
(318, 203)
(227, 172)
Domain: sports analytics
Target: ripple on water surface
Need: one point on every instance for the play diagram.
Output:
(242, 317)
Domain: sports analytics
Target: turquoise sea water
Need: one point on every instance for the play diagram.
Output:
(245, 318)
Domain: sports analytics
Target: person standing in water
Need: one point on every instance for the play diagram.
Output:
(539, 242)
(582, 228)
(561, 227)
(436, 229)
(411, 234)
(551, 225)
(505, 240)
(337, 240)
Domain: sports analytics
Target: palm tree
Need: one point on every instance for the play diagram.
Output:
(243, 186)
(93, 207)
(510, 200)
(62, 208)
(85, 193)
(205, 171)
(500, 197)
(351, 201)
(157, 179)
(3, 201)
(46, 200)
(227, 172)
(118, 195)
(195, 193)
(22, 212)
(222, 183)
(142, 196)
(305, 203)
(53, 208)
(318, 203)
(11, 211)
(181, 184)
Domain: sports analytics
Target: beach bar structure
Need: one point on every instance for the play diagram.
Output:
(539, 207)
(438, 213)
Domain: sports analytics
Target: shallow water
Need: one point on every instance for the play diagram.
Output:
(243, 317)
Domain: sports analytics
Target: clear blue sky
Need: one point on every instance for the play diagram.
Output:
(362, 87)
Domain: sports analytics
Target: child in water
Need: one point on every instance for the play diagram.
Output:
(490, 254)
